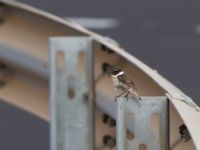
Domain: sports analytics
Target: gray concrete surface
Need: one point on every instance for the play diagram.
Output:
(22, 131)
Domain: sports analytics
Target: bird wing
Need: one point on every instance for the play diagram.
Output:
(124, 80)
(128, 84)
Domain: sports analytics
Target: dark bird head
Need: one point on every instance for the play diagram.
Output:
(114, 71)
(110, 70)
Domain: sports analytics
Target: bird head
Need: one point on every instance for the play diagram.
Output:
(114, 71)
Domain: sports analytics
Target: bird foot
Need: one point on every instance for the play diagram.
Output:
(126, 98)
(116, 98)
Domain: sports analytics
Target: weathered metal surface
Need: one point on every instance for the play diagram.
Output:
(72, 94)
(138, 116)
(121, 128)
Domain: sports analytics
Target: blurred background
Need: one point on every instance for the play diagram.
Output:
(163, 34)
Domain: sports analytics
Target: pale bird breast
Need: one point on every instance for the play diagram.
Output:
(115, 81)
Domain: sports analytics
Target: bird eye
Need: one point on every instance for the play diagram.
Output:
(115, 72)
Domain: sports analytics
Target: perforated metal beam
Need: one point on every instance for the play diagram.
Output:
(139, 117)
(72, 93)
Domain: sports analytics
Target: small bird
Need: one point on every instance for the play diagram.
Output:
(122, 83)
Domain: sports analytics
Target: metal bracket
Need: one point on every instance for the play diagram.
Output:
(140, 121)
(72, 93)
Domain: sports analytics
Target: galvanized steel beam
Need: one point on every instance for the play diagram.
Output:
(72, 93)
(138, 117)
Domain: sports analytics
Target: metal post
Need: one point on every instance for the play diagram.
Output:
(72, 93)
(142, 124)
(120, 124)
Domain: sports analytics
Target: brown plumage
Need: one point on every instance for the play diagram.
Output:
(123, 83)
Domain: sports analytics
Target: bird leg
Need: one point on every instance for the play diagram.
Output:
(126, 92)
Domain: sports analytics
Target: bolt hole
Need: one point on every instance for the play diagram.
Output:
(2, 83)
(71, 87)
(109, 141)
(105, 67)
(155, 125)
(130, 135)
(130, 120)
(142, 147)
(60, 61)
(106, 49)
(82, 62)
(105, 118)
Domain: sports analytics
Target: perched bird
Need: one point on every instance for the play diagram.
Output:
(122, 83)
